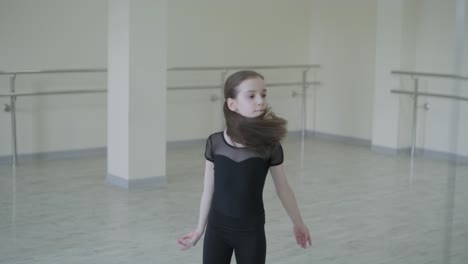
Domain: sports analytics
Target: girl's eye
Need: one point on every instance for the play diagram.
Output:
(251, 96)
(263, 95)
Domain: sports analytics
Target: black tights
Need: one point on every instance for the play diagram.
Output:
(249, 246)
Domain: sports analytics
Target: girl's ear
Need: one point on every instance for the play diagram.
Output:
(231, 104)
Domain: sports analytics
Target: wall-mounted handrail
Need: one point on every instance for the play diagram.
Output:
(251, 67)
(53, 93)
(415, 93)
(431, 95)
(429, 74)
(214, 86)
(13, 95)
(49, 71)
(223, 70)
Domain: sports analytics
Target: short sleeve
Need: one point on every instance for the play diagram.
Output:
(277, 156)
(209, 150)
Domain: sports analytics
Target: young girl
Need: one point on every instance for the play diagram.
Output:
(237, 161)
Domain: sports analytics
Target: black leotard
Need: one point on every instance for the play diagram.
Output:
(239, 178)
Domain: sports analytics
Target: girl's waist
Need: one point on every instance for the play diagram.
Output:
(245, 222)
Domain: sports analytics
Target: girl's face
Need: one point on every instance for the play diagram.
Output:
(251, 98)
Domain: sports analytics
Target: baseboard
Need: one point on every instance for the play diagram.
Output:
(135, 183)
(434, 154)
(198, 141)
(102, 151)
(339, 138)
(56, 155)
(428, 153)
(186, 142)
(391, 151)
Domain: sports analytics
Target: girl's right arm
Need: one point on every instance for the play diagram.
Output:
(205, 203)
(189, 240)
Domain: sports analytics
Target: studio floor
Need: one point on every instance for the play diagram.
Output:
(360, 206)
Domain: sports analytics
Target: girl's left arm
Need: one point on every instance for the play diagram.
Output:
(288, 199)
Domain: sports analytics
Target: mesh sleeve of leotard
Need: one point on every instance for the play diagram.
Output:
(209, 150)
(277, 155)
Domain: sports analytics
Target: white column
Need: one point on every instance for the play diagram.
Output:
(389, 45)
(137, 92)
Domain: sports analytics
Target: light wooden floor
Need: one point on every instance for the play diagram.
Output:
(361, 207)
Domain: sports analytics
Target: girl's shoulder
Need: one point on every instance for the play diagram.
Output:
(216, 136)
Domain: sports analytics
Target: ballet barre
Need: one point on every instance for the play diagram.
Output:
(251, 67)
(13, 95)
(214, 86)
(416, 93)
(304, 83)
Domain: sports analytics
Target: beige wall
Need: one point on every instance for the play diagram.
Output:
(339, 34)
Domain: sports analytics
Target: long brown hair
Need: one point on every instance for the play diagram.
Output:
(257, 133)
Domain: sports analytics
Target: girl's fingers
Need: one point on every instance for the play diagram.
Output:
(182, 239)
(184, 242)
(185, 248)
(302, 239)
(187, 241)
(299, 239)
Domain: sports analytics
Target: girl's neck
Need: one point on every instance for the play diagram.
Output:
(230, 141)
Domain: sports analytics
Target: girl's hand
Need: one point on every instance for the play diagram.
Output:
(189, 240)
(302, 235)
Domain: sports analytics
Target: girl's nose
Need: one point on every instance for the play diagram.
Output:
(260, 100)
